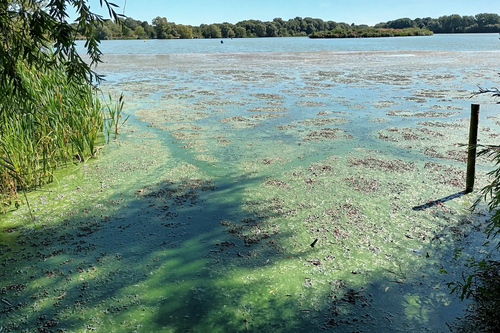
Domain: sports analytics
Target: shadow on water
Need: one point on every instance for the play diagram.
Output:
(157, 262)
(440, 201)
(178, 258)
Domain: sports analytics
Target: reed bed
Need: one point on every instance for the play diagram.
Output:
(50, 122)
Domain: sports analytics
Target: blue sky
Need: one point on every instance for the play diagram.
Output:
(371, 12)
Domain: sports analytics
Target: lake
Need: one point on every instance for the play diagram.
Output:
(265, 185)
(440, 42)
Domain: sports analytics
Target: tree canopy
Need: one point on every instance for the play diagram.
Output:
(455, 23)
(356, 32)
(38, 33)
(161, 28)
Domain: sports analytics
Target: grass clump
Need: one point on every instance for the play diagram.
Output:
(52, 121)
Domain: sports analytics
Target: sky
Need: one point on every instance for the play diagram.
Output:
(370, 12)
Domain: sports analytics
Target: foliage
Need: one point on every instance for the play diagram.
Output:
(299, 26)
(491, 192)
(113, 118)
(483, 23)
(211, 31)
(495, 92)
(49, 111)
(30, 28)
(355, 32)
(140, 32)
(54, 122)
(162, 28)
(185, 32)
(483, 285)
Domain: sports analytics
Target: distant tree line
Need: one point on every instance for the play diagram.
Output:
(482, 23)
(363, 32)
(162, 29)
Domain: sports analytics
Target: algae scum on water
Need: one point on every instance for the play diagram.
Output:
(260, 192)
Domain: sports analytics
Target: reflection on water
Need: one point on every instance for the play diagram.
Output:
(264, 191)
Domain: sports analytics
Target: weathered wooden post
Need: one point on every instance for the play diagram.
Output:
(471, 158)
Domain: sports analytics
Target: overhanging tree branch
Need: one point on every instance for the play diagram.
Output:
(495, 92)
(37, 32)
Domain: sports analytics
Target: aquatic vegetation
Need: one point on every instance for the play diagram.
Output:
(396, 165)
(211, 219)
(56, 123)
(113, 116)
(323, 121)
(420, 114)
(267, 96)
(269, 109)
(309, 103)
(441, 124)
(326, 134)
(262, 116)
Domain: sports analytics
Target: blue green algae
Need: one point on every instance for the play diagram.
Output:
(260, 192)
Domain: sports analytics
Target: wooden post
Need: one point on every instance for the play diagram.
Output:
(471, 158)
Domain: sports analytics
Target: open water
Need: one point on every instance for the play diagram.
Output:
(441, 42)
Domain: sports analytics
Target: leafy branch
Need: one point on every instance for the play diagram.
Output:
(30, 29)
(495, 92)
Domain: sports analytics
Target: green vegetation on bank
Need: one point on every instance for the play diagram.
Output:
(480, 23)
(363, 32)
(160, 28)
(50, 113)
(54, 122)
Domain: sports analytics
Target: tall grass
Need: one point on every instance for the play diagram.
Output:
(52, 122)
(113, 120)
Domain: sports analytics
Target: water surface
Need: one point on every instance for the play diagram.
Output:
(264, 185)
(440, 42)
